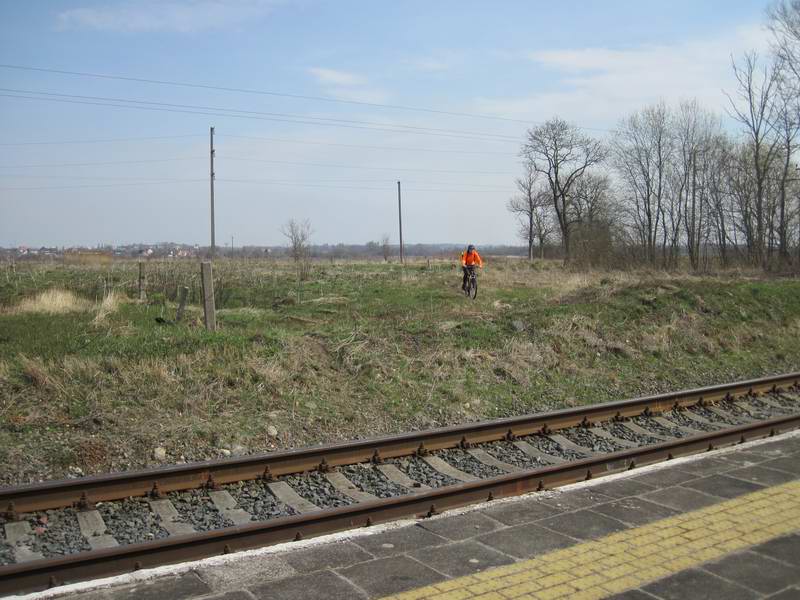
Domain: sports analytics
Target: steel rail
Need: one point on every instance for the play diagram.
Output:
(115, 486)
(40, 574)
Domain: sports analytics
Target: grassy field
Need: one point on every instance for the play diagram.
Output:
(90, 381)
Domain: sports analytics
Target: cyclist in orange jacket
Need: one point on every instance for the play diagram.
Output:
(469, 259)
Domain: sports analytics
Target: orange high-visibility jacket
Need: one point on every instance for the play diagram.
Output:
(473, 258)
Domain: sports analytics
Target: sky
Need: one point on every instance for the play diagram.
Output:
(316, 120)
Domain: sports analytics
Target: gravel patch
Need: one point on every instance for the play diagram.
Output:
(679, 417)
(618, 430)
(768, 408)
(370, 480)
(255, 498)
(315, 488)
(6, 553)
(418, 470)
(714, 417)
(738, 409)
(56, 533)
(548, 446)
(587, 439)
(787, 400)
(131, 521)
(508, 452)
(650, 424)
(469, 464)
(197, 509)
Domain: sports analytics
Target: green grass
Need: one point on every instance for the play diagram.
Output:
(359, 349)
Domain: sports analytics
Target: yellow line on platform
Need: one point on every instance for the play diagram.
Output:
(634, 557)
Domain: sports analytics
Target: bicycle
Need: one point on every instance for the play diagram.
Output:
(471, 289)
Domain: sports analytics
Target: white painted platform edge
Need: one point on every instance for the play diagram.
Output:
(177, 569)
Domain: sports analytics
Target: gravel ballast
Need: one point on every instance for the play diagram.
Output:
(508, 452)
(318, 490)
(622, 432)
(372, 481)
(256, 499)
(60, 534)
(131, 521)
(548, 446)
(418, 470)
(587, 439)
(469, 464)
(679, 417)
(655, 427)
(197, 509)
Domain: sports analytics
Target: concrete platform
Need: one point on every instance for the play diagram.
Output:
(725, 524)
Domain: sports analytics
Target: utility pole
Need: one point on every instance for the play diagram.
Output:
(400, 219)
(213, 242)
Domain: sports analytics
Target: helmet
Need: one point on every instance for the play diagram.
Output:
(470, 248)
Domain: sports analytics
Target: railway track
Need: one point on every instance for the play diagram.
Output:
(63, 531)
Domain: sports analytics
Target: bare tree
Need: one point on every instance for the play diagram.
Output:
(592, 199)
(784, 22)
(560, 152)
(386, 247)
(642, 151)
(298, 233)
(532, 209)
(755, 110)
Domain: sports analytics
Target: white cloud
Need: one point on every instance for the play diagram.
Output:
(598, 86)
(335, 77)
(186, 16)
(345, 85)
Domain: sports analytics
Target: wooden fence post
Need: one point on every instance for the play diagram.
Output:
(209, 311)
(182, 294)
(142, 283)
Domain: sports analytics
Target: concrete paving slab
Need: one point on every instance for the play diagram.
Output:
(237, 595)
(632, 595)
(583, 525)
(783, 548)
(723, 486)
(576, 499)
(176, 587)
(743, 458)
(707, 466)
(325, 585)
(761, 474)
(664, 478)
(789, 594)
(461, 558)
(398, 541)
(245, 572)
(521, 512)
(525, 541)
(635, 511)
(385, 576)
(623, 488)
(754, 571)
(788, 464)
(778, 448)
(328, 556)
(694, 583)
(680, 498)
(461, 527)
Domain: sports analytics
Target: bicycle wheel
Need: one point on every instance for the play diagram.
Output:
(473, 288)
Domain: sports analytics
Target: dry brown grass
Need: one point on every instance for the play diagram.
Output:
(109, 305)
(52, 301)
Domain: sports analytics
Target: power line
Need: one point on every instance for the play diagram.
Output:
(338, 166)
(102, 141)
(92, 164)
(349, 187)
(212, 114)
(254, 113)
(266, 93)
(368, 147)
(387, 181)
(99, 185)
